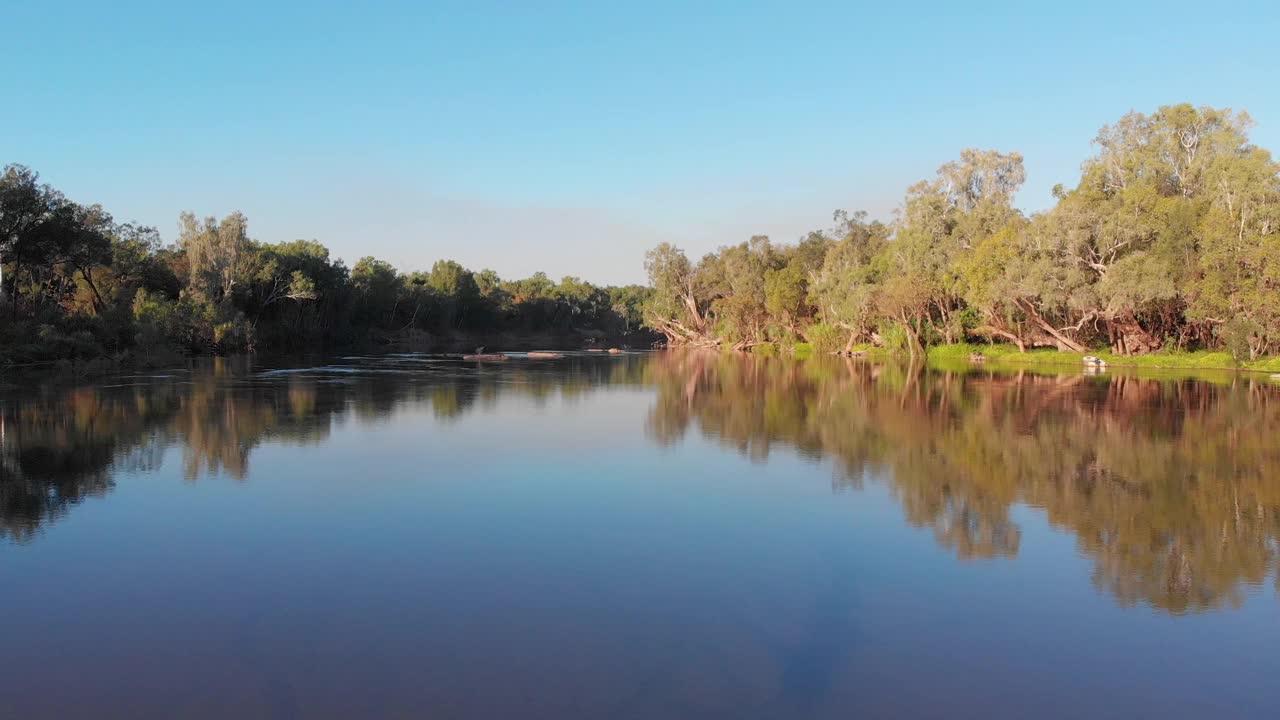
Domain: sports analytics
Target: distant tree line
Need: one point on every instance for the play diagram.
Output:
(77, 283)
(1171, 240)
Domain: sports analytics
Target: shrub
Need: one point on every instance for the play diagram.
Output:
(825, 338)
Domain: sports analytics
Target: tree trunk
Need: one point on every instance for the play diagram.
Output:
(98, 302)
(17, 275)
(1044, 325)
(691, 304)
(913, 338)
(1128, 337)
(990, 330)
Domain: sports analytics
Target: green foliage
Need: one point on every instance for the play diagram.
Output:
(217, 252)
(896, 339)
(1238, 336)
(157, 320)
(1170, 240)
(76, 284)
(786, 292)
(824, 338)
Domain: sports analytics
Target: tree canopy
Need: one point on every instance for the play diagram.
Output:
(78, 283)
(1171, 238)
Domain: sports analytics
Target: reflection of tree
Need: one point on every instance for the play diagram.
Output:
(58, 449)
(1167, 485)
(62, 446)
(218, 423)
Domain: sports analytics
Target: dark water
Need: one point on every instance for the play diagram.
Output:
(640, 536)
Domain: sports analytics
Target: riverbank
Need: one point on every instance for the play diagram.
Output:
(1008, 355)
(92, 361)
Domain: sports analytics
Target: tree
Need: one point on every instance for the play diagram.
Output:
(25, 205)
(77, 239)
(941, 222)
(673, 308)
(376, 286)
(137, 262)
(217, 253)
(456, 289)
(786, 291)
(845, 287)
(627, 304)
(1237, 289)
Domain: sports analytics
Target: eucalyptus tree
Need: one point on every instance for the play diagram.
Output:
(1134, 222)
(1237, 286)
(940, 223)
(741, 307)
(844, 287)
(672, 308)
(218, 254)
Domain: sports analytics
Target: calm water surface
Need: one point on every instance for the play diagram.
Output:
(674, 535)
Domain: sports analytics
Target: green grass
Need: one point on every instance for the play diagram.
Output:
(1164, 360)
(957, 356)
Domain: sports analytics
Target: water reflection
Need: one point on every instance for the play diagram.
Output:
(59, 446)
(1168, 485)
(1171, 487)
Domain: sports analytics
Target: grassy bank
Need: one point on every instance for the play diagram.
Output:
(1164, 360)
(1008, 355)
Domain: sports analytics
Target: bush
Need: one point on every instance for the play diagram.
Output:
(155, 321)
(826, 338)
(895, 339)
(234, 335)
(1236, 337)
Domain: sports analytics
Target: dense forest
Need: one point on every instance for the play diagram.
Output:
(1170, 241)
(78, 284)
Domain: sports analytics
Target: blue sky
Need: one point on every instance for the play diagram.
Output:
(570, 137)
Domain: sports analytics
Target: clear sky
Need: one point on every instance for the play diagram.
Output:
(570, 137)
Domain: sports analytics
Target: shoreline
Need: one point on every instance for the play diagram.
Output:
(1009, 356)
(460, 343)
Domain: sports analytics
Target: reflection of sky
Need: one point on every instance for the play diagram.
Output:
(574, 425)
(548, 560)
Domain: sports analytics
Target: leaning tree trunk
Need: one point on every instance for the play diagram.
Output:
(994, 329)
(98, 302)
(1049, 328)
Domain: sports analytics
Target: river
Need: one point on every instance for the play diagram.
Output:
(646, 535)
